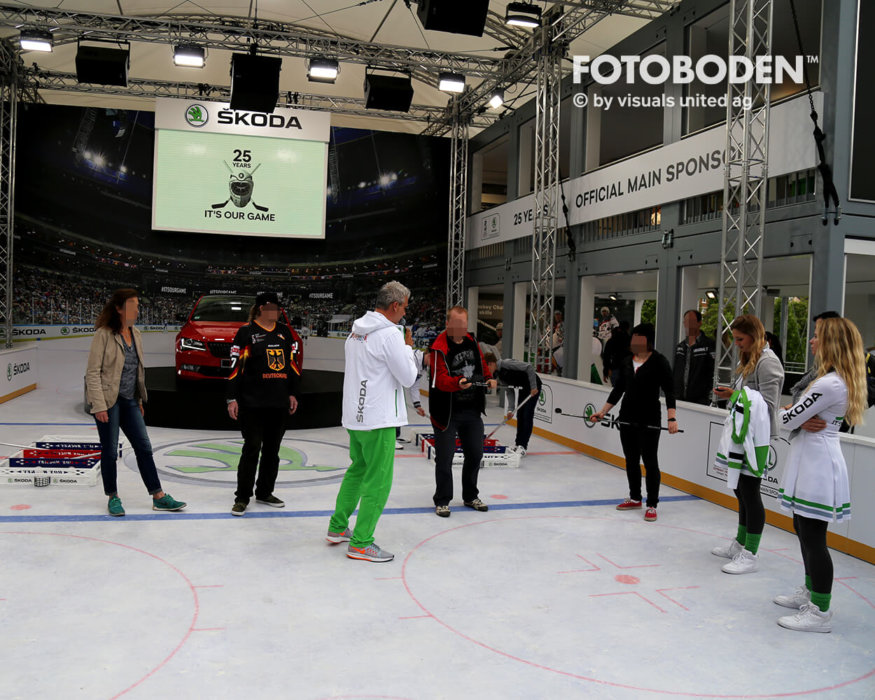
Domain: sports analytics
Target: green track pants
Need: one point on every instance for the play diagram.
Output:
(369, 480)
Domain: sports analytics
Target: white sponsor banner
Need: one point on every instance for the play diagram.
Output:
(219, 118)
(689, 456)
(686, 168)
(37, 332)
(54, 332)
(19, 370)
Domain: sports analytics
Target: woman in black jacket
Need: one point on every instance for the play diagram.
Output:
(641, 376)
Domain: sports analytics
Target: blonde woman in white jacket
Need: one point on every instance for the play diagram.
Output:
(815, 486)
(380, 365)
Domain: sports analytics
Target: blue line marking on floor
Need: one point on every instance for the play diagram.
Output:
(308, 513)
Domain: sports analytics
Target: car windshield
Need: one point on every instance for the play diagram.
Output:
(224, 309)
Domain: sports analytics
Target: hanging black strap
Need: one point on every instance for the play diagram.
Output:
(569, 238)
(829, 188)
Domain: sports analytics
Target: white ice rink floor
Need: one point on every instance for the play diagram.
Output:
(551, 594)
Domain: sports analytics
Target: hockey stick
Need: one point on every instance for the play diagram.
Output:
(505, 421)
(606, 421)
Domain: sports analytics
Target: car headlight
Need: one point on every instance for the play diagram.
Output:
(191, 344)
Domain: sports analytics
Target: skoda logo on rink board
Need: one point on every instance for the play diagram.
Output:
(544, 408)
(9, 372)
(65, 330)
(588, 410)
(196, 115)
(302, 462)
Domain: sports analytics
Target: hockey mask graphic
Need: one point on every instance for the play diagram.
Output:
(240, 184)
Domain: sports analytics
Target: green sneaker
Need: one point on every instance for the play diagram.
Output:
(166, 502)
(115, 506)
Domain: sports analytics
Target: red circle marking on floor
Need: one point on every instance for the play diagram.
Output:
(577, 676)
(188, 583)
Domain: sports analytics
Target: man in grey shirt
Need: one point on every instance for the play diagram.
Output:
(516, 374)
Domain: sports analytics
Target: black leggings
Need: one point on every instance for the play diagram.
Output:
(751, 512)
(815, 554)
(641, 444)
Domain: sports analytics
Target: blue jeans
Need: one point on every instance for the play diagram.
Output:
(125, 414)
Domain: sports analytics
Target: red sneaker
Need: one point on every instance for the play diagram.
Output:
(629, 504)
(650, 515)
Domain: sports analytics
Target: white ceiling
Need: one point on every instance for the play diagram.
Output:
(390, 22)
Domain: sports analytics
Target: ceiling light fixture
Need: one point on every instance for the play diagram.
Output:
(497, 99)
(322, 70)
(35, 40)
(523, 14)
(452, 82)
(189, 55)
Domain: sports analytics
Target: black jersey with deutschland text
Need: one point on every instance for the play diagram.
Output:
(263, 373)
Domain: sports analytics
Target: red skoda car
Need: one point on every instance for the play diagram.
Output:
(203, 346)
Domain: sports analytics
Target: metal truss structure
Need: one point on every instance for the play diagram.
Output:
(458, 208)
(41, 79)
(10, 76)
(529, 57)
(546, 186)
(745, 179)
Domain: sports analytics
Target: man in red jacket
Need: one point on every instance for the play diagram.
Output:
(455, 404)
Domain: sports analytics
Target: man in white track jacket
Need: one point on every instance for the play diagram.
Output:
(380, 364)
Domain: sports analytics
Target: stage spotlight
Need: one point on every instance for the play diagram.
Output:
(190, 55)
(523, 14)
(452, 82)
(322, 70)
(497, 99)
(35, 40)
(614, 296)
(711, 294)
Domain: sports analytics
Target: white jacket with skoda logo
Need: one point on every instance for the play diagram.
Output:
(379, 366)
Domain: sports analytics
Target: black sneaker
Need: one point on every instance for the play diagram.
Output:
(271, 501)
(239, 508)
(477, 504)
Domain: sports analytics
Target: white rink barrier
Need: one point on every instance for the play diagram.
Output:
(686, 459)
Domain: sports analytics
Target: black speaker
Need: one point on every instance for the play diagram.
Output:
(456, 16)
(388, 92)
(255, 82)
(103, 66)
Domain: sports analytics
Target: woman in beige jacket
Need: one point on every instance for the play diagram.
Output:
(115, 389)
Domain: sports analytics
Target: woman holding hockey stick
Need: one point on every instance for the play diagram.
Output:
(641, 376)
(815, 484)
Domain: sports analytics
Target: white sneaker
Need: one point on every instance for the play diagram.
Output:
(399, 445)
(518, 450)
(796, 599)
(809, 619)
(727, 551)
(744, 562)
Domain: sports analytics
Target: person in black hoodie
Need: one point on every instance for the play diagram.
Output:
(615, 351)
(262, 391)
(642, 375)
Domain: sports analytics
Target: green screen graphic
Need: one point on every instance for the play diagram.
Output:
(245, 185)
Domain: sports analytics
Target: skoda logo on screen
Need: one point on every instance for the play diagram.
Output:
(196, 115)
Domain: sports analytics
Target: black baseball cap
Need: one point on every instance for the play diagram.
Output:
(263, 298)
